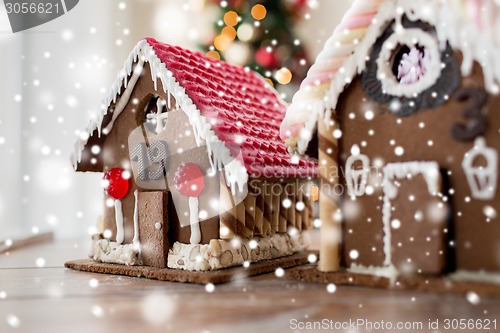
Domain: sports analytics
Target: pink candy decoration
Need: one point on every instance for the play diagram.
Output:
(413, 66)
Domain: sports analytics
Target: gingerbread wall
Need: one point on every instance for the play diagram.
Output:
(424, 136)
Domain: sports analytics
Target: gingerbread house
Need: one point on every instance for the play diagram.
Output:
(195, 174)
(400, 109)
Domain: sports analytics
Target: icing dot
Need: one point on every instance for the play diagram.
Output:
(396, 224)
(3, 294)
(337, 134)
(253, 244)
(279, 272)
(331, 288)
(209, 287)
(354, 254)
(300, 206)
(157, 225)
(246, 264)
(399, 151)
(93, 283)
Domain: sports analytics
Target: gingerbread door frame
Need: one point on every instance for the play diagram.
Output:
(405, 171)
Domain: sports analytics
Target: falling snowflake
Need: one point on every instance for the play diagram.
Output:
(40, 262)
(280, 272)
(93, 283)
(312, 258)
(331, 288)
(97, 311)
(13, 321)
(209, 287)
(473, 298)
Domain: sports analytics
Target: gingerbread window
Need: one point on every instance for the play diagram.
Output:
(152, 112)
(408, 70)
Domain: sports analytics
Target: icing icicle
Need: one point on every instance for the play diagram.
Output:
(136, 239)
(194, 221)
(120, 234)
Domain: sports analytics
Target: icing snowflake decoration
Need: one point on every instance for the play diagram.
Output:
(482, 179)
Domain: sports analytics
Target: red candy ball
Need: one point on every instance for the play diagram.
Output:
(189, 180)
(117, 186)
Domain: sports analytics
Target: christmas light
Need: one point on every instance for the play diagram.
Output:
(221, 42)
(245, 32)
(231, 18)
(259, 12)
(283, 76)
(229, 32)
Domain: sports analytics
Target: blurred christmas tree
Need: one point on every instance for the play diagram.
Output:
(260, 35)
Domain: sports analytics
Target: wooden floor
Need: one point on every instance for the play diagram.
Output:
(54, 299)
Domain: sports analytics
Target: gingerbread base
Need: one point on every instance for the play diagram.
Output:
(310, 273)
(177, 275)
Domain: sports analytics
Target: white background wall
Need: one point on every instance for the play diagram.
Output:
(54, 75)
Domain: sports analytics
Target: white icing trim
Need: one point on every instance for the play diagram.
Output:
(136, 240)
(219, 155)
(120, 234)
(482, 180)
(103, 250)
(222, 253)
(390, 272)
(410, 38)
(160, 117)
(451, 27)
(400, 171)
(194, 221)
(481, 276)
(357, 179)
(125, 97)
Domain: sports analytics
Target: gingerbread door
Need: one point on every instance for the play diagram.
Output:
(415, 218)
(153, 227)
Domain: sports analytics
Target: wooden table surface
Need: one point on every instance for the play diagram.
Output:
(54, 299)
